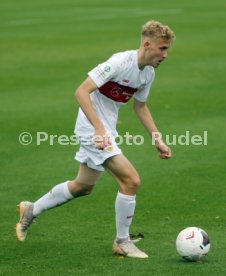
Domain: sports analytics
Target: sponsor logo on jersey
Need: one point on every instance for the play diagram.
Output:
(117, 92)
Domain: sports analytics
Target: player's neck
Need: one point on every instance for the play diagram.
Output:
(140, 59)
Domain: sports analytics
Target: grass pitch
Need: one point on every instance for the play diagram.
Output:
(46, 50)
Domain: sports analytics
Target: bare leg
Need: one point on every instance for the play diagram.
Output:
(85, 181)
(124, 173)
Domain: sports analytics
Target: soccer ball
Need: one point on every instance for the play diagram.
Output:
(192, 243)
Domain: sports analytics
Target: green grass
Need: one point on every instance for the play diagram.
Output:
(47, 48)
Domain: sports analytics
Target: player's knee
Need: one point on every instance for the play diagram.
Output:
(80, 189)
(131, 184)
(135, 182)
(86, 190)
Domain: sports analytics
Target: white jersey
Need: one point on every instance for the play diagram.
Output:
(118, 80)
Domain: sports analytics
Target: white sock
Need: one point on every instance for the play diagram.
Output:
(55, 197)
(124, 208)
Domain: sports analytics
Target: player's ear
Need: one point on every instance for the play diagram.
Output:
(146, 44)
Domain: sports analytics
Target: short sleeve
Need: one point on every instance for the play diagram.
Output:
(102, 73)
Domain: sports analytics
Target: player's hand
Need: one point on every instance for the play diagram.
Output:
(164, 150)
(101, 139)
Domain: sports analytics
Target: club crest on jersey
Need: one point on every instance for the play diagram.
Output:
(126, 81)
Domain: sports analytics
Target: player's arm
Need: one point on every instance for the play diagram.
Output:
(143, 113)
(82, 95)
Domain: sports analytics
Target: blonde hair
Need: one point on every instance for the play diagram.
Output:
(157, 30)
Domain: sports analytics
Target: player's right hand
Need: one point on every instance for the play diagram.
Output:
(101, 139)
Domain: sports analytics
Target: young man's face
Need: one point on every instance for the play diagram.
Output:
(155, 51)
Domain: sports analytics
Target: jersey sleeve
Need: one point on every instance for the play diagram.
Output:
(104, 72)
(142, 94)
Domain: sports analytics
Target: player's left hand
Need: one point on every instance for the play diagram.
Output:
(164, 151)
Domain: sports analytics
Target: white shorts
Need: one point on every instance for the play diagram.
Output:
(93, 157)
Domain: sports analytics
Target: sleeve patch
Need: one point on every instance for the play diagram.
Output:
(105, 70)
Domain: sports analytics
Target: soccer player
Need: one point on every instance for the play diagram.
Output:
(110, 85)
